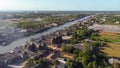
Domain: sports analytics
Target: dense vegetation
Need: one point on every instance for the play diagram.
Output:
(90, 56)
(48, 19)
(109, 19)
(81, 34)
(32, 63)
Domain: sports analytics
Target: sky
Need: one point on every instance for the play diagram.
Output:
(70, 5)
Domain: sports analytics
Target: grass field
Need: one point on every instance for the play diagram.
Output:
(110, 36)
(113, 47)
(112, 50)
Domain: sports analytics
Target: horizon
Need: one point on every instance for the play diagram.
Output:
(61, 10)
(59, 5)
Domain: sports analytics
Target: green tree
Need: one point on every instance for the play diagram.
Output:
(84, 62)
(90, 65)
(32, 40)
(70, 64)
(63, 47)
(55, 63)
(29, 63)
(94, 64)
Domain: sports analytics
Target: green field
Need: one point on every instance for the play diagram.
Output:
(113, 46)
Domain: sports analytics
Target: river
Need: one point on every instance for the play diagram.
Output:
(21, 42)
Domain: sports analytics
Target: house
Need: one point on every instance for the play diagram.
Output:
(10, 58)
(117, 22)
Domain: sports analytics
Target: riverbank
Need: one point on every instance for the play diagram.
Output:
(22, 42)
(17, 28)
(30, 49)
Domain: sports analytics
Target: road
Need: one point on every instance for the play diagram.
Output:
(107, 28)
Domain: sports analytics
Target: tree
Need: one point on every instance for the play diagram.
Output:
(94, 64)
(55, 63)
(76, 51)
(70, 64)
(29, 63)
(32, 40)
(90, 65)
(63, 47)
(68, 49)
(41, 60)
(84, 62)
(74, 38)
(73, 41)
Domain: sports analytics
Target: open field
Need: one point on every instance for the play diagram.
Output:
(110, 36)
(113, 48)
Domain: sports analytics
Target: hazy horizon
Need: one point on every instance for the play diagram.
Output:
(60, 5)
